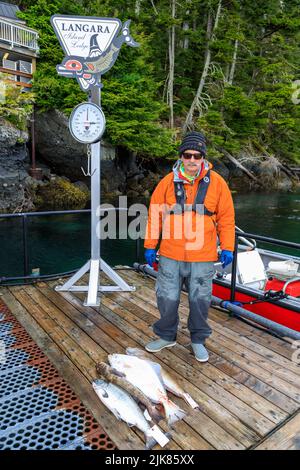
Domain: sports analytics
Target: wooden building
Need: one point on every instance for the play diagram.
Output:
(18, 47)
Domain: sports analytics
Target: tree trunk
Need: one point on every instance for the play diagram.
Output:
(170, 92)
(138, 7)
(185, 27)
(283, 166)
(232, 69)
(154, 7)
(238, 164)
(196, 104)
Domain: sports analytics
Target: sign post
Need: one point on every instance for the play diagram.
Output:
(91, 46)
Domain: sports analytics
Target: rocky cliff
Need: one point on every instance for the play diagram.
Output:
(14, 162)
(122, 172)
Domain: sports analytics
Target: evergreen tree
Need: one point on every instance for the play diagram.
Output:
(226, 67)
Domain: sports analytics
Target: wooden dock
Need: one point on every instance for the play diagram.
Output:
(249, 391)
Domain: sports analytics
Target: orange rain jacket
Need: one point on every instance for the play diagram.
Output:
(191, 236)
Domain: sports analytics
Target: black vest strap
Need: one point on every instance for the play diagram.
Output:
(199, 199)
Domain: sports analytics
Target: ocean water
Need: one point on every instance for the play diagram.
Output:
(62, 243)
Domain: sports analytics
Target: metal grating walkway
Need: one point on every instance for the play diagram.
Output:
(38, 409)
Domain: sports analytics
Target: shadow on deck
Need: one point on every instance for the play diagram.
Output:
(249, 391)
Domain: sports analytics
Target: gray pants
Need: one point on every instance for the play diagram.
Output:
(197, 277)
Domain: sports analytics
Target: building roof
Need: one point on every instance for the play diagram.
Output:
(8, 10)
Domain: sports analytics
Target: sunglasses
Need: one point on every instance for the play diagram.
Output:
(188, 156)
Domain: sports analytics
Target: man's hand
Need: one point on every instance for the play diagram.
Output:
(226, 258)
(150, 256)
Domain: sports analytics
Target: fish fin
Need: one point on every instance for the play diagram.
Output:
(116, 372)
(150, 442)
(143, 355)
(135, 352)
(155, 366)
(173, 412)
(153, 414)
(157, 369)
(117, 414)
(156, 414)
(155, 436)
(98, 389)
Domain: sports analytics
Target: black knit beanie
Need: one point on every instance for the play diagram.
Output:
(193, 141)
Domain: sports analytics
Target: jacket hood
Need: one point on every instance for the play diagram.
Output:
(175, 169)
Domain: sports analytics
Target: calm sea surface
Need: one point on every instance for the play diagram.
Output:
(62, 243)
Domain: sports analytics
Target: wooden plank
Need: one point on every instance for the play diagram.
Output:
(141, 308)
(218, 437)
(258, 372)
(273, 343)
(15, 72)
(245, 347)
(89, 336)
(80, 358)
(227, 419)
(236, 336)
(69, 346)
(220, 393)
(263, 361)
(265, 375)
(287, 437)
(23, 84)
(96, 322)
(72, 375)
(278, 345)
(238, 407)
(218, 413)
(272, 412)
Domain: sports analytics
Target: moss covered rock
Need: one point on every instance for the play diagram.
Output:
(60, 194)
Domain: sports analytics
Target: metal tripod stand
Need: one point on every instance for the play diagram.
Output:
(96, 264)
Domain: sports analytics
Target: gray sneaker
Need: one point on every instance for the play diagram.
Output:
(200, 352)
(158, 345)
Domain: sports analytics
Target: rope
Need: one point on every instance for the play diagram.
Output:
(268, 295)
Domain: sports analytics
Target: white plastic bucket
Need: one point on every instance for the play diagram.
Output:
(283, 267)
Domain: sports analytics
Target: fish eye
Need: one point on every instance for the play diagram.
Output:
(73, 65)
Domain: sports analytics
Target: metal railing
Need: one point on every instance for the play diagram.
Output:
(24, 216)
(17, 35)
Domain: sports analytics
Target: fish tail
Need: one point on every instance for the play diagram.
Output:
(151, 441)
(173, 412)
(190, 401)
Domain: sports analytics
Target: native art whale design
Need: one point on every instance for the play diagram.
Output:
(88, 71)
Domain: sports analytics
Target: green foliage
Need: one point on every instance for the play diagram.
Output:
(15, 105)
(256, 105)
(60, 194)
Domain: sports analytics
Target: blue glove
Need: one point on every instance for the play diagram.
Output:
(226, 258)
(150, 256)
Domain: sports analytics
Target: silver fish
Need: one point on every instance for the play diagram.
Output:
(124, 407)
(147, 378)
(169, 381)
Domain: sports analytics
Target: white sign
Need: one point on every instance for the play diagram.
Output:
(78, 34)
(91, 46)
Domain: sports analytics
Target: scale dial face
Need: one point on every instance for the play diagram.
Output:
(87, 123)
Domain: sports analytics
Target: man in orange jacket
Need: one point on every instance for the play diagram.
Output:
(189, 208)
